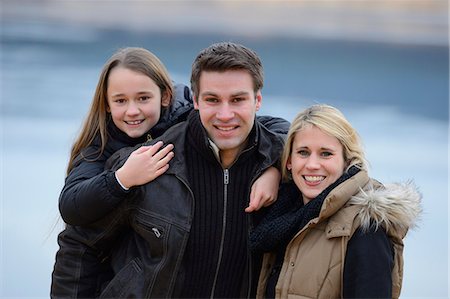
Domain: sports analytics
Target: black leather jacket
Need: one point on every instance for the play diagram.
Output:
(148, 233)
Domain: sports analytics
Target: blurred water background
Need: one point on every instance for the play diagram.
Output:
(383, 63)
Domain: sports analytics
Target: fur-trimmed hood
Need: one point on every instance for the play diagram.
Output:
(395, 206)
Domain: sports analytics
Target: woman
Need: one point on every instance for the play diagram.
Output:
(333, 232)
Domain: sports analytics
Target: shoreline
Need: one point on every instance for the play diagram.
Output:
(404, 22)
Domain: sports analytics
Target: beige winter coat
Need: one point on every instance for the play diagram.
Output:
(313, 264)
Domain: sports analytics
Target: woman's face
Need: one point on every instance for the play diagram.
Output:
(134, 101)
(316, 161)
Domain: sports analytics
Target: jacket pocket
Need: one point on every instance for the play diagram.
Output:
(127, 283)
(155, 233)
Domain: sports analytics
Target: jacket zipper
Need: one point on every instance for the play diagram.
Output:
(249, 257)
(226, 181)
(224, 223)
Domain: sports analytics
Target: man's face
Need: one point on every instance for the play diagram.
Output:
(227, 104)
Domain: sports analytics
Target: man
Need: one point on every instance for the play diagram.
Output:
(225, 151)
(185, 233)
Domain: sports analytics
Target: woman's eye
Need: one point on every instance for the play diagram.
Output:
(303, 153)
(119, 101)
(326, 154)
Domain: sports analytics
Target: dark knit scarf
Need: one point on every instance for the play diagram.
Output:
(116, 140)
(288, 215)
(120, 137)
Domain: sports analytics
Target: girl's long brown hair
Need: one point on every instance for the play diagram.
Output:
(136, 59)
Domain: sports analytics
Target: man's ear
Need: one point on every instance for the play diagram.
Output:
(194, 97)
(258, 99)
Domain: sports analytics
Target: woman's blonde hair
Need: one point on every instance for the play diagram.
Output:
(332, 122)
(136, 59)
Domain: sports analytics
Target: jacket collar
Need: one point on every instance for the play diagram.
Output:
(268, 145)
(341, 192)
(198, 138)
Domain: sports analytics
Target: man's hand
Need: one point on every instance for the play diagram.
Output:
(264, 191)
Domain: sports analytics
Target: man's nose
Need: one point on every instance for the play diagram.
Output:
(225, 112)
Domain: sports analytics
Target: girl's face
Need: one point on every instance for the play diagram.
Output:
(134, 101)
(316, 161)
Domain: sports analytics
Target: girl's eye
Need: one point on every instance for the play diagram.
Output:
(119, 101)
(144, 98)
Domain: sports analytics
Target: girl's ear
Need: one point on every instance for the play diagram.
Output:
(165, 100)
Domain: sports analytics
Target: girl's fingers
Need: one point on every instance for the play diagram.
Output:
(163, 162)
(167, 158)
(164, 151)
(155, 148)
(162, 170)
(142, 149)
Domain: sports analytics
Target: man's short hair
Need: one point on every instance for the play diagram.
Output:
(225, 56)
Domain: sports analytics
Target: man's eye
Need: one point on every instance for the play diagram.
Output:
(211, 100)
(237, 100)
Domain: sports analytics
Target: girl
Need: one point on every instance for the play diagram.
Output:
(134, 101)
